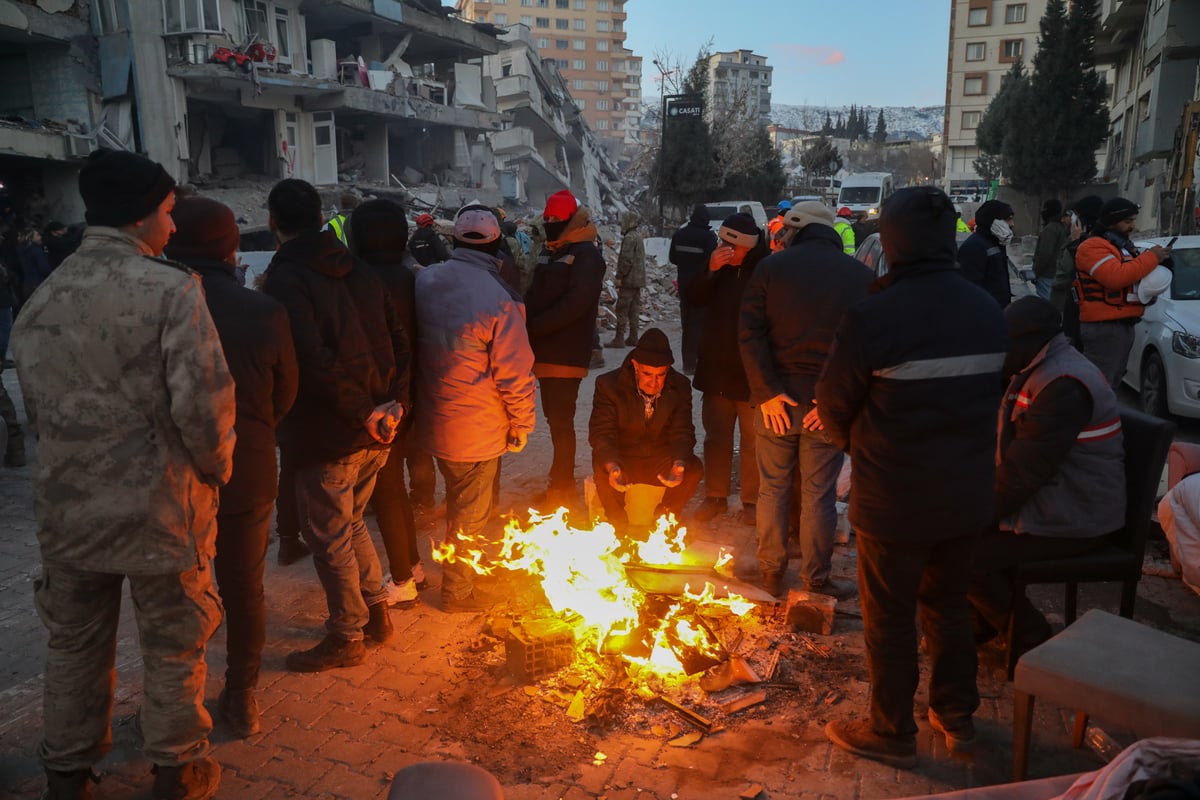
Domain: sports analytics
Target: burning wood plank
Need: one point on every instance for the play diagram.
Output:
(699, 720)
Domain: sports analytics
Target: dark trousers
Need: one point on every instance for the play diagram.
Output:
(691, 319)
(999, 553)
(897, 582)
(422, 476)
(241, 555)
(720, 415)
(558, 397)
(469, 496)
(394, 513)
(287, 516)
(647, 470)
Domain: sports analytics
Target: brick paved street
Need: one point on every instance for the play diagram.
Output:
(342, 734)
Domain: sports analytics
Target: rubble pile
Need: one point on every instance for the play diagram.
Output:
(660, 300)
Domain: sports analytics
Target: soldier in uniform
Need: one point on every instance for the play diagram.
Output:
(127, 388)
(631, 279)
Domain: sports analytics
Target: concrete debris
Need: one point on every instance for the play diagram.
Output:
(811, 612)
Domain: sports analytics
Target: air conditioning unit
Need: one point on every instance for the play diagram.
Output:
(80, 146)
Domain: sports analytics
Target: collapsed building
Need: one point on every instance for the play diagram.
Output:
(387, 94)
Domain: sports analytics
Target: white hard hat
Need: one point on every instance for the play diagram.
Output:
(1153, 284)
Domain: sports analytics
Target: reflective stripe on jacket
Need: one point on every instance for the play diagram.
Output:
(1105, 277)
(847, 233)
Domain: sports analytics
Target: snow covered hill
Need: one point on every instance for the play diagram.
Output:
(903, 122)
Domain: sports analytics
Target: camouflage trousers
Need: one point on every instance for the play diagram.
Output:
(13, 442)
(629, 307)
(176, 616)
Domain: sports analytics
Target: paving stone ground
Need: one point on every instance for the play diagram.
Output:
(343, 734)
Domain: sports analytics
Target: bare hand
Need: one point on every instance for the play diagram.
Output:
(1076, 230)
(721, 257)
(384, 421)
(1161, 253)
(517, 441)
(674, 477)
(775, 413)
(615, 479)
(812, 421)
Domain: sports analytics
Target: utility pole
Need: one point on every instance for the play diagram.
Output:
(662, 140)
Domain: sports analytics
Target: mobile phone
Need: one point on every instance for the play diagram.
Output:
(1171, 243)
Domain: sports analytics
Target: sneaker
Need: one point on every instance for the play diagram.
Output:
(857, 737)
(418, 576)
(711, 507)
(834, 587)
(401, 595)
(960, 738)
(749, 515)
(379, 626)
(477, 600)
(330, 653)
(239, 710)
(291, 550)
(772, 582)
(73, 785)
(195, 780)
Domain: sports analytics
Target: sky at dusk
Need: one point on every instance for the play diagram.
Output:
(825, 52)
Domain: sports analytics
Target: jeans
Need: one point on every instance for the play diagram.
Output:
(394, 513)
(1042, 286)
(647, 471)
(719, 415)
(558, 397)
(241, 555)
(897, 581)
(819, 462)
(469, 498)
(1107, 345)
(331, 497)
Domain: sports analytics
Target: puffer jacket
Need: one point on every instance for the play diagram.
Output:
(476, 381)
(1106, 275)
(127, 387)
(984, 263)
(631, 263)
(618, 430)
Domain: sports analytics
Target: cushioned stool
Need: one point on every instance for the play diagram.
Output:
(1133, 676)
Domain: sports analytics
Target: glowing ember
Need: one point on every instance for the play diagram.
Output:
(582, 573)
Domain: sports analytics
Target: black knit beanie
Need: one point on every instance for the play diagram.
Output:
(1117, 209)
(205, 230)
(378, 227)
(653, 349)
(916, 224)
(1051, 210)
(739, 229)
(120, 188)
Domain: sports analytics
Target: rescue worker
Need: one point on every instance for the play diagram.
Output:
(1107, 265)
(960, 225)
(775, 225)
(844, 229)
(630, 280)
(337, 223)
(691, 247)
(133, 405)
(426, 245)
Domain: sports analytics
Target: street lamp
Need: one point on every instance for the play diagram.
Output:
(662, 134)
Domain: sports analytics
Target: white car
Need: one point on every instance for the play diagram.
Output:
(1164, 364)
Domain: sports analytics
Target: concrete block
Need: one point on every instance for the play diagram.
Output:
(810, 612)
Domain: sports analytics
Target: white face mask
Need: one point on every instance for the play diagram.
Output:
(1002, 232)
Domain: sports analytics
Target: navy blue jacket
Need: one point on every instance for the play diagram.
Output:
(984, 263)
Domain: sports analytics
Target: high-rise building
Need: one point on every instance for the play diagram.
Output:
(586, 38)
(740, 80)
(986, 37)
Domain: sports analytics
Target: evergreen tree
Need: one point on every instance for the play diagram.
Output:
(763, 177)
(880, 128)
(685, 170)
(839, 130)
(852, 124)
(864, 124)
(821, 159)
(827, 128)
(997, 122)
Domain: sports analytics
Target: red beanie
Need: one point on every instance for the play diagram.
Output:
(560, 207)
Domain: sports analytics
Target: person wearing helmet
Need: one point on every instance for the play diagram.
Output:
(775, 225)
(842, 226)
(426, 244)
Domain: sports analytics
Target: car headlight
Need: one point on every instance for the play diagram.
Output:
(873, 212)
(1185, 344)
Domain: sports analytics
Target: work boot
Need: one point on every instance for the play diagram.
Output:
(597, 361)
(772, 582)
(709, 508)
(618, 340)
(195, 780)
(291, 550)
(960, 737)
(239, 710)
(633, 338)
(857, 737)
(73, 785)
(379, 625)
(834, 587)
(330, 653)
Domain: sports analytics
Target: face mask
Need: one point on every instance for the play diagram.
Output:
(1002, 232)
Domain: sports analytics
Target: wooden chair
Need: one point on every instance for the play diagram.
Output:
(1147, 440)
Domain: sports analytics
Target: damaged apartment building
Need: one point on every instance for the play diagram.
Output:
(387, 93)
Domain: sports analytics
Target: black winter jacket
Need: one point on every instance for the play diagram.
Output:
(912, 391)
(561, 304)
(401, 284)
(984, 263)
(350, 345)
(428, 247)
(257, 340)
(618, 430)
(790, 311)
(691, 246)
(719, 367)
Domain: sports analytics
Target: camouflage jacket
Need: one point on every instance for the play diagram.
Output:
(631, 263)
(127, 388)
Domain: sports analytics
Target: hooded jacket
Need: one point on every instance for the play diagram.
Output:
(912, 385)
(618, 430)
(691, 246)
(981, 257)
(719, 367)
(631, 263)
(350, 346)
(790, 310)
(428, 247)
(563, 299)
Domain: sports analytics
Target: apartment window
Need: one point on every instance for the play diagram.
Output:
(581, 105)
(602, 5)
(602, 124)
(618, 26)
(634, 93)
(541, 43)
(603, 27)
(499, 2)
(577, 84)
(283, 35)
(562, 24)
(970, 119)
(975, 83)
(502, 19)
(562, 63)
(541, 22)
(601, 66)
(560, 44)
(618, 66)
(579, 44)
(581, 5)
(977, 17)
(579, 64)
(543, 3)
(562, 3)
(526, 2)
(602, 45)
(580, 24)
(1014, 13)
(602, 86)
(481, 16)
(1011, 49)
(256, 19)
(602, 105)
(527, 21)
(109, 21)
(179, 16)
(976, 51)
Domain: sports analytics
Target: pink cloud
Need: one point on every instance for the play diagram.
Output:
(807, 55)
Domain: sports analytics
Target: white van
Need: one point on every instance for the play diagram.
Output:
(717, 212)
(864, 192)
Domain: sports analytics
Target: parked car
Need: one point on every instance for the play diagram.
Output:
(870, 252)
(1164, 364)
(717, 212)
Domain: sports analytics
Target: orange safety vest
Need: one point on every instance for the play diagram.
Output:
(773, 227)
(1105, 277)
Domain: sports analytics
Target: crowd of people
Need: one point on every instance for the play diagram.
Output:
(161, 390)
